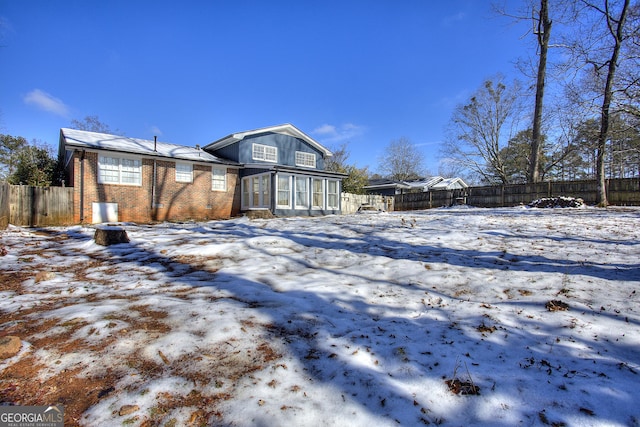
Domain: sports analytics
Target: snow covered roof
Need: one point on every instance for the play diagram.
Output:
(285, 129)
(385, 183)
(104, 141)
(450, 184)
(424, 183)
(420, 184)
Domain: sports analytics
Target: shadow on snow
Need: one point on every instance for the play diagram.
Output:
(329, 334)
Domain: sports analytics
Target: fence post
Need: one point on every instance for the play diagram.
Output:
(4, 205)
(34, 208)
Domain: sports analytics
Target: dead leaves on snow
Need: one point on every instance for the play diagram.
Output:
(556, 305)
(482, 328)
(457, 386)
(544, 419)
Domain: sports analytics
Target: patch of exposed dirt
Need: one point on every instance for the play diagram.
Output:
(200, 417)
(30, 380)
(80, 388)
(148, 319)
(76, 393)
(199, 263)
(22, 384)
(12, 280)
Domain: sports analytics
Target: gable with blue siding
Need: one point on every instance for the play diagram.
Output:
(286, 146)
(283, 171)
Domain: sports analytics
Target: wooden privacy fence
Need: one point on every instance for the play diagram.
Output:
(40, 206)
(4, 205)
(429, 199)
(620, 192)
(49, 206)
(351, 203)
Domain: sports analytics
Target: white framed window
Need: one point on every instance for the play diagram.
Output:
(305, 159)
(264, 152)
(271, 154)
(130, 171)
(333, 194)
(317, 197)
(265, 190)
(246, 193)
(218, 179)
(184, 172)
(284, 191)
(108, 170)
(302, 192)
(119, 170)
(256, 192)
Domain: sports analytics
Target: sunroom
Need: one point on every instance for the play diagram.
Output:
(288, 192)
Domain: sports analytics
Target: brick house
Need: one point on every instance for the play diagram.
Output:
(117, 178)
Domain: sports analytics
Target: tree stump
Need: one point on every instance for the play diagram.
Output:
(110, 235)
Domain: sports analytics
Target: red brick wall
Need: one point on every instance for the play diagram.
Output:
(174, 201)
(195, 200)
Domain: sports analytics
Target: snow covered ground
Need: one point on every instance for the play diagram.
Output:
(353, 320)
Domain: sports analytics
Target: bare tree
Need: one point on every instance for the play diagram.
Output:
(402, 160)
(338, 162)
(357, 178)
(600, 48)
(615, 26)
(450, 168)
(91, 124)
(543, 34)
(480, 128)
(544, 73)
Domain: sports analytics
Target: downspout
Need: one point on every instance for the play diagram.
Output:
(153, 183)
(82, 186)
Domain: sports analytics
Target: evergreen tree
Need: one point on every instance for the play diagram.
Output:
(10, 146)
(34, 166)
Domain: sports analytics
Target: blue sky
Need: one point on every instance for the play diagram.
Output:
(360, 72)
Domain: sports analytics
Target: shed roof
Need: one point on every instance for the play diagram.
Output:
(449, 184)
(424, 183)
(104, 141)
(285, 129)
(381, 183)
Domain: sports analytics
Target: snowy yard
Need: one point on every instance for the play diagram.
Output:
(531, 316)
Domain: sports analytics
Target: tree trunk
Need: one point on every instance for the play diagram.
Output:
(616, 32)
(543, 33)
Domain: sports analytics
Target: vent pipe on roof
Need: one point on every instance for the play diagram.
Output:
(155, 143)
